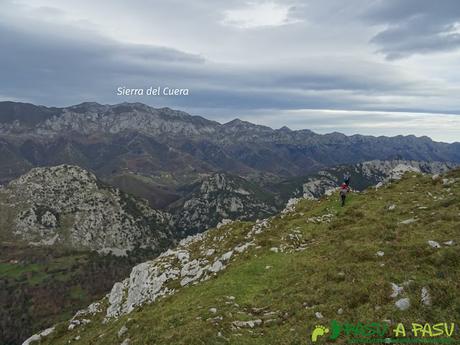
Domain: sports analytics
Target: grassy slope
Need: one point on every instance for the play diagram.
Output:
(338, 269)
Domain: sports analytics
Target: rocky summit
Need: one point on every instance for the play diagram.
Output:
(271, 281)
(221, 197)
(68, 206)
(157, 150)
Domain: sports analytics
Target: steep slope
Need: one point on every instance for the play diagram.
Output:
(15, 115)
(53, 223)
(68, 206)
(218, 197)
(389, 256)
(12, 163)
(363, 175)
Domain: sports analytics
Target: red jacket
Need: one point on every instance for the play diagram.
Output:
(344, 189)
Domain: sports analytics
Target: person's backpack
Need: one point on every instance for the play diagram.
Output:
(343, 189)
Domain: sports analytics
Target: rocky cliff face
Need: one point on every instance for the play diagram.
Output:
(90, 118)
(218, 197)
(66, 205)
(367, 174)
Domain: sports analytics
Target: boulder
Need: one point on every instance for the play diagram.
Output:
(403, 303)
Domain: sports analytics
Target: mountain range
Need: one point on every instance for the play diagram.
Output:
(81, 182)
(157, 150)
(161, 154)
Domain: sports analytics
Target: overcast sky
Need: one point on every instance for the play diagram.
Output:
(382, 67)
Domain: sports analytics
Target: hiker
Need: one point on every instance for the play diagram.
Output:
(346, 179)
(343, 191)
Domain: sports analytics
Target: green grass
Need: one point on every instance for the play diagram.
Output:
(78, 293)
(14, 270)
(338, 269)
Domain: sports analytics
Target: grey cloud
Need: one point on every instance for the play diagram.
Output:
(56, 68)
(65, 69)
(415, 26)
(322, 63)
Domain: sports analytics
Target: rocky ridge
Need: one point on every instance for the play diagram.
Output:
(363, 175)
(217, 197)
(88, 118)
(67, 205)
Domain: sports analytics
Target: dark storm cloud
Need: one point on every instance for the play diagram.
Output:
(416, 26)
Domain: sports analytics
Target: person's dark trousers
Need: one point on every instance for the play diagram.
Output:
(343, 199)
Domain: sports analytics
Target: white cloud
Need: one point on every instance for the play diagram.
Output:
(259, 14)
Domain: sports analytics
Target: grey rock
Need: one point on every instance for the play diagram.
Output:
(243, 247)
(210, 252)
(403, 303)
(216, 266)
(247, 324)
(318, 315)
(425, 297)
(408, 221)
(122, 331)
(433, 244)
(39, 336)
(225, 257)
(396, 290)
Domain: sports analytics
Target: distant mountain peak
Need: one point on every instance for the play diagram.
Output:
(86, 104)
(285, 129)
(235, 122)
(86, 107)
(242, 124)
